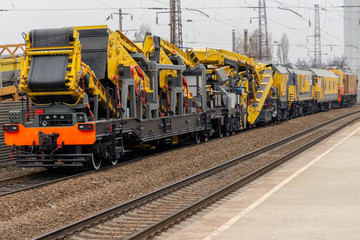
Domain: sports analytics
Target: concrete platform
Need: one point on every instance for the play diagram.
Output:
(314, 196)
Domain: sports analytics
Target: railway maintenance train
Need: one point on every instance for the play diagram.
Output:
(95, 94)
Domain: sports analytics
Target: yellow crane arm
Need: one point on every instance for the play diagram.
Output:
(127, 43)
(171, 49)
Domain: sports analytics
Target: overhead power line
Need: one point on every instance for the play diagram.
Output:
(158, 8)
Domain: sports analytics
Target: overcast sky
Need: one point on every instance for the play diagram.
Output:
(206, 23)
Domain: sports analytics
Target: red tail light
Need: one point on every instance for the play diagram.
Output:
(39, 111)
(86, 126)
(11, 128)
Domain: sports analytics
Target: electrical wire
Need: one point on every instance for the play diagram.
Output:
(144, 8)
(346, 18)
(104, 4)
(217, 9)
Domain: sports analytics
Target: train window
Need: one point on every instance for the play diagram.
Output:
(303, 83)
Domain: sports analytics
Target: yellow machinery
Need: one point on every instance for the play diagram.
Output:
(79, 78)
(281, 78)
(326, 87)
(100, 86)
(169, 76)
(10, 61)
(96, 59)
(112, 94)
(255, 78)
(166, 53)
(80, 81)
(347, 86)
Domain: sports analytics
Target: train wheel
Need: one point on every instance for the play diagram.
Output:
(96, 162)
(226, 129)
(221, 134)
(114, 161)
(197, 138)
(205, 138)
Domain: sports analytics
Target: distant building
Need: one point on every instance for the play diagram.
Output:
(352, 33)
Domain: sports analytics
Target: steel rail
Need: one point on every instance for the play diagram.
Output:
(6, 181)
(39, 185)
(124, 207)
(196, 207)
(130, 160)
(50, 182)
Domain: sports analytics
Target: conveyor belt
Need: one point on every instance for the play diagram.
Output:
(58, 37)
(94, 44)
(48, 72)
(56, 66)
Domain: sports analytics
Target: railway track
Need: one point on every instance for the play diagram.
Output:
(150, 214)
(47, 177)
(34, 180)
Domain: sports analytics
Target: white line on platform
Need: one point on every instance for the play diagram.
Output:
(272, 191)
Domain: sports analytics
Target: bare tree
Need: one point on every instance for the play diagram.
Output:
(140, 34)
(306, 63)
(302, 63)
(271, 49)
(254, 45)
(239, 43)
(283, 49)
(310, 63)
(337, 62)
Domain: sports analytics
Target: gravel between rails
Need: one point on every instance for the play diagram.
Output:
(15, 171)
(28, 214)
(133, 220)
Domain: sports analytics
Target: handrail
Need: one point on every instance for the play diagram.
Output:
(8, 47)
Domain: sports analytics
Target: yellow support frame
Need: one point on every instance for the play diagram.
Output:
(170, 48)
(254, 111)
(73, 78)
(260, 72)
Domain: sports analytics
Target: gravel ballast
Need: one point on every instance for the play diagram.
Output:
(14, 171)
(27, 214)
